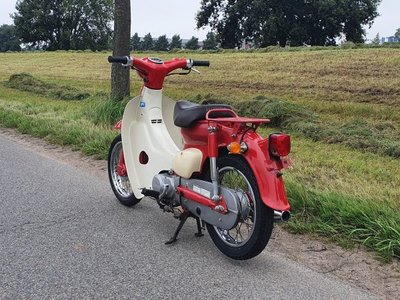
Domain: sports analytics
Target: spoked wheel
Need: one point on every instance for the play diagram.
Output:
(119, 182)
(252, 233)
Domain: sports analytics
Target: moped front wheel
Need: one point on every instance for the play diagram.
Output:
(251, 235)
(119, 180)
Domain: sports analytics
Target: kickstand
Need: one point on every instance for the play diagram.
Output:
(199, 233)
(185, 215)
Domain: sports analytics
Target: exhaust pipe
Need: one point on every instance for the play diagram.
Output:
(281, 216)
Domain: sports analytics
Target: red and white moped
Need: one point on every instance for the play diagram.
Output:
(201, 161)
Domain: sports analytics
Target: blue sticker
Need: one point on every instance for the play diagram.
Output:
(142, 104)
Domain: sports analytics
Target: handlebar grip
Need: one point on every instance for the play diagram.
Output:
(201, 63)
(118, 59)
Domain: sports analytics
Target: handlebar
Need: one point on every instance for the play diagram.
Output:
(154, 70)
(201, 63)
(125, 59)
(118, 59)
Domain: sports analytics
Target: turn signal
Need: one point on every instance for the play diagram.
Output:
(236, 148)
(279, 144)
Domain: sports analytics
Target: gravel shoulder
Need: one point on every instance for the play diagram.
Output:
(356, 266)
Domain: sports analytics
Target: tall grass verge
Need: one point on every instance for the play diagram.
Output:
(83, 136)
(102, 110)
(376, 225)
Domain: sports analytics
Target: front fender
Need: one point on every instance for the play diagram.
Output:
(118, 125)
(267, 173)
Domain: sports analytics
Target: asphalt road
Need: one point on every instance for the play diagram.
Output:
(64, 236)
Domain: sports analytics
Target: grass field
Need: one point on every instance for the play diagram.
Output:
(342, 108)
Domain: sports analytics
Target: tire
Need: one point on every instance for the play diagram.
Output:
(252, 233)
(119, 184)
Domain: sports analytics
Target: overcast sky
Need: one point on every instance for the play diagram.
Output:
(177, 16)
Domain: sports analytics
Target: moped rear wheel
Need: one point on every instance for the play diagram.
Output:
(251, 235)
(120, 184)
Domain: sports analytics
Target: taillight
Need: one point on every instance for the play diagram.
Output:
(279, 144)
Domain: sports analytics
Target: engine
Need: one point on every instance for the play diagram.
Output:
(165, 185)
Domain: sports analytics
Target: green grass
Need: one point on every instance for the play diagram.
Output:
(57, 121)
(346, 195)
(342, 217)
(342, 108)
(104, 111)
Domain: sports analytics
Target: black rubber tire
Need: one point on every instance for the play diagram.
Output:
(264, 216)
(130, 200)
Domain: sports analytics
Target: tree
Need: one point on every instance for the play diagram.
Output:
(397, 34)
(376, 40)
(120, 83)
(64, 24)
(136, 44)
(148, 43)
(162, 43)
(210, 43)
(294, 22)
(8, 39)
(176, 42)
(192, 44)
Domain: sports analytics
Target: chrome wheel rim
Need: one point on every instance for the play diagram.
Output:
(121, 183)
(239, 235)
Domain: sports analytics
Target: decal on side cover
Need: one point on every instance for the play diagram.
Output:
(201, 191)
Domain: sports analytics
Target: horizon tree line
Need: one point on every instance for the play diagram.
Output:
(86, 24)
(162, 43)
(9, 41)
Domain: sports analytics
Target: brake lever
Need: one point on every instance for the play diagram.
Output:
(180, 73)
(195, 70)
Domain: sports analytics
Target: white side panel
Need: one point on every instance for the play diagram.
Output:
(187, 162)
(168, 106)
(144, 129)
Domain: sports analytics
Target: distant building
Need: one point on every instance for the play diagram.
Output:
(246, 45)
(390, 39)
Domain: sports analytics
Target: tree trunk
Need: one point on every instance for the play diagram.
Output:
(120, 83)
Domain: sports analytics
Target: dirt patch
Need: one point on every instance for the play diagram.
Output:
(356, 266)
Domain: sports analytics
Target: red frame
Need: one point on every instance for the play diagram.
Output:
(154, 73)
(189, 194)
(121, 168)
(118, 125)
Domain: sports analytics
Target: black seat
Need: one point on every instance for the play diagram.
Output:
(186, 113)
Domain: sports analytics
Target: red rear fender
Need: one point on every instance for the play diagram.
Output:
(265, 169)
(267, 173)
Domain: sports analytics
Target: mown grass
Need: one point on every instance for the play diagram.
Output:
(329, 77)
(342, 108)
(27, 82)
